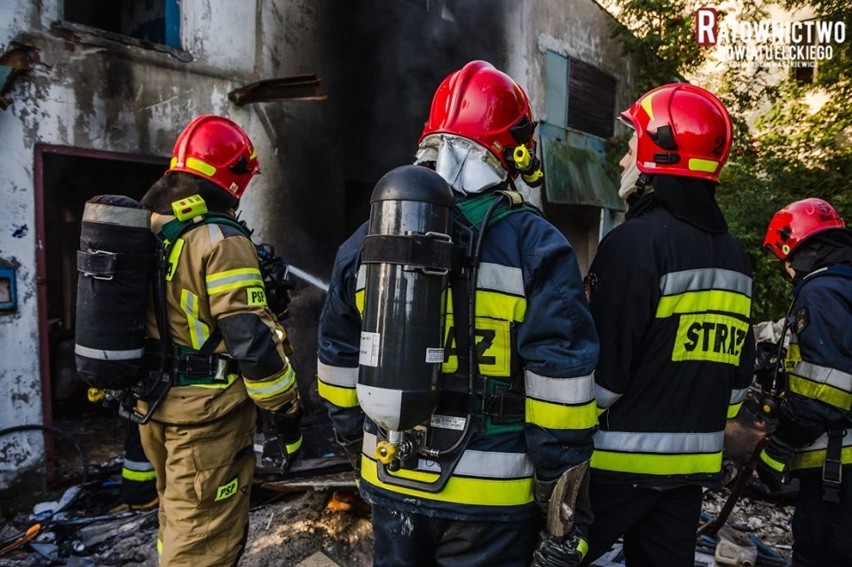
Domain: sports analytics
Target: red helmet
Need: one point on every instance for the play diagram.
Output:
(797, 222)
(215, 148)
(682, 130)
(485, 105)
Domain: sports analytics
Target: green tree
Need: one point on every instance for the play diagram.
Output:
(793, 136)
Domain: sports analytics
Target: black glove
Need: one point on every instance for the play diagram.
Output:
(286, 425)
(566, 552)
(773, 468)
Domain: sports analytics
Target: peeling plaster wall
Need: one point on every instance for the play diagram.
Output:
(87, 92)
(379, 63)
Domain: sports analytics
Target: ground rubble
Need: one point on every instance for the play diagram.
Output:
(313, 517)
(295, 526)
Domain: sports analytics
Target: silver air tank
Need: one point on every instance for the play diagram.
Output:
(407, 253)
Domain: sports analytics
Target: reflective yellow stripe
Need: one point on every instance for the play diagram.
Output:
(459, 490)
(159, 548)
(706, 463)
(815, 459)
(772, 463)
(822, 392)
(231, 378)
(648, 106)
(500, 306)
(198, 331)
(341, 397)
(703, 301)
(734, 409)
(233, 279)
(265, 389)
(137, 476)
(294, 446)
(359, 301)
(706, 165)
(200, 166)
(557, 416)
(174, 258)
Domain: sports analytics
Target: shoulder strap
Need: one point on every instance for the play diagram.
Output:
(168, 235)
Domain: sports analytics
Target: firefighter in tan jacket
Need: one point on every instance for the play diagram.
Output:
(224, 350)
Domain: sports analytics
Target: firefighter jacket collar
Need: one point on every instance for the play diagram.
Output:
(823, 249)
(841, 270)
(691, 200)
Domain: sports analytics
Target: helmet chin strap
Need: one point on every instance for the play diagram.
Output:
(639, 188)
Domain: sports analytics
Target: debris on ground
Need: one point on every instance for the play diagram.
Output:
(314, 517)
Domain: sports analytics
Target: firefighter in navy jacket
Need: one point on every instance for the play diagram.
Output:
(227, 353)
(812, 439)
(671, 299)
(535, 338)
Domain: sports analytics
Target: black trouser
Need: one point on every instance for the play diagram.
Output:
(138, 484)
(414, 540)
(822, 531)
(659, 526)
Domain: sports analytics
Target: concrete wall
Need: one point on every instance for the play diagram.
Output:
(379, 63)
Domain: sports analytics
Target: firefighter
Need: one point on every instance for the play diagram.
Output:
(225, 350)
(671, 300)
(533, 399)
(811, 439)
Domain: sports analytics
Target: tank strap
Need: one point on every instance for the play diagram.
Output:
(832, 468)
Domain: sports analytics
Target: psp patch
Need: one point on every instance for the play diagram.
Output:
(228, 489)
(256, 296)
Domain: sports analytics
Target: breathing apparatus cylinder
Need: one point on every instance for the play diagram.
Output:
(115, 263)
(408, 254)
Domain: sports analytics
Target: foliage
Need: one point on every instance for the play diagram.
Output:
(793, 139)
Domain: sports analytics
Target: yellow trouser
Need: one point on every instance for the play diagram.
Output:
(204, 475)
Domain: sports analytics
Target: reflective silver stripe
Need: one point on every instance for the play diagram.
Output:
(477, 464)
(705, 279)
(216, 280)
(113, 214)
(821, 443)
(660, 443)
(197, 329)
(214, 232)
(342, 376)
(605, 397)
(101, 354)
(138, 466)
(500, 278)
(824, 375)
(274, 386)
(738, 395)
(361, 278)
(573, 390)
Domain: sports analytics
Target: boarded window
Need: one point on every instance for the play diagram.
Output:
(591, 99)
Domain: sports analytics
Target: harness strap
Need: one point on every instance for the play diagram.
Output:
(832, 468)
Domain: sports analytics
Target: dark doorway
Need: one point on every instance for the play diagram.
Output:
(65, 179)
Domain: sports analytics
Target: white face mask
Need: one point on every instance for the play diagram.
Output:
(467, 166)
(629, 177)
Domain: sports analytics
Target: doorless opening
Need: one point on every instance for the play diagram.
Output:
(65, 179)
